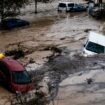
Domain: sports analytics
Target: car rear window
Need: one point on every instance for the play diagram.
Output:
(62, 5)
(21, 77)
(95, 47)
(4, 69)
(70, 5)
(18, 20)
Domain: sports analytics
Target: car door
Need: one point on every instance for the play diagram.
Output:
(75, 8)
(19, 22)
(71, 6)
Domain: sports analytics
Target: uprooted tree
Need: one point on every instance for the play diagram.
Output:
(10, 6)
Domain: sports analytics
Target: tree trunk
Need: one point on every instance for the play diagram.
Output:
(2, 14)
(100, 1)
(2, 10)
(35, 6)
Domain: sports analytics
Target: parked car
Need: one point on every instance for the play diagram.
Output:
(69, 6)
(13, 22)
(95, 44)
(14, 75)
(98, 10)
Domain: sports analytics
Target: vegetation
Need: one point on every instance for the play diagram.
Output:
(36, 2)
(11, 6)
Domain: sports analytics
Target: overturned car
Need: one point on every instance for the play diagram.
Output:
(95, 44)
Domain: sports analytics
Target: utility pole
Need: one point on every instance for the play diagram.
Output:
(35, 6)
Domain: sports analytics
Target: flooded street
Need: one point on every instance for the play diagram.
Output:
(65, 31)
(62, 30)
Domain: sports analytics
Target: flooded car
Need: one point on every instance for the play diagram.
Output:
(11, 23)
(14, 75)
(69, 7)
(95, 44)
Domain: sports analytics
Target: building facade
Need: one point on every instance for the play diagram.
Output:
(99, 1)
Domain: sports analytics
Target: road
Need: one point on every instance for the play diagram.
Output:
(63, 30)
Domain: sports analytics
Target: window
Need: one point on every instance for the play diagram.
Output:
(71, 5)
(21, 77)
(4, 69)
(95, 47)
(62, 5)
(18, 20)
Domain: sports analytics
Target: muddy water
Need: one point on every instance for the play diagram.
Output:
(25, 33)
(62, 30)
(56, 27)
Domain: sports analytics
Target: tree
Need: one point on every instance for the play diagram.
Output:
(36, 2)
(7, 6)
(35, 6)
(100, 1)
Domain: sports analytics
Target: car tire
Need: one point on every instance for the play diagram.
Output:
(58, 10)
(67, 10)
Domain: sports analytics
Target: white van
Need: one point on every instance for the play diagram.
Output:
(65, 6)
(70, 6)
(95, 44)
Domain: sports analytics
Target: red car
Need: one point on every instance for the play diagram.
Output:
(14, 75)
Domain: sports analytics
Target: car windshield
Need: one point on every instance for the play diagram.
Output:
(62, 5)
(21, 77)
(95, 47)
(18, 20)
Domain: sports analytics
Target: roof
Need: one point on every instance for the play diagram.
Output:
(13, 65)
(97, 38)
(97, 1)
(66, 2)
(74, 1)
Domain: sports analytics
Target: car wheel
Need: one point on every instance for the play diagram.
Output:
(67, 10)
(58, 10)
(11, 89)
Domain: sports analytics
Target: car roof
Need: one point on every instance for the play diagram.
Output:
(74, 2)
(96, 38)
(65, 2)
(13, 65)
(11, 19)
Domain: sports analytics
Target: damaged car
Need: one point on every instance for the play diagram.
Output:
(95, 44)
(14, 75)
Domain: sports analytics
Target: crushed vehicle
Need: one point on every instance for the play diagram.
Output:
(95, 44)
(14, 75)
(71, 7)
(11, 23)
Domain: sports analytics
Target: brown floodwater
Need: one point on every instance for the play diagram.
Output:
(62, 30)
